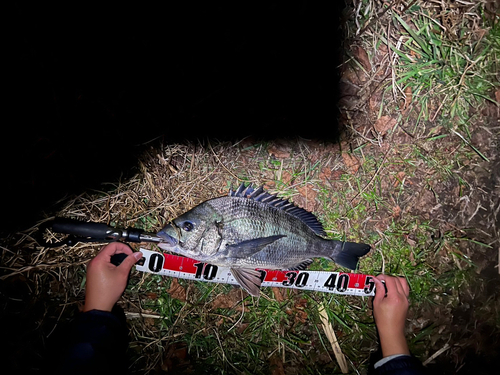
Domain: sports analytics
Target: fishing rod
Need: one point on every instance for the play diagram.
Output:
(171, 265)
(82, 231)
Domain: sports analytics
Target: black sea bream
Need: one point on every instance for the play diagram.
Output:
(252, 229)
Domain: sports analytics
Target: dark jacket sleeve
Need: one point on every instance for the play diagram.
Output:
(402, 365)
(97, 343)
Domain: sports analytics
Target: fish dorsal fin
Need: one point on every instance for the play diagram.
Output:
(260, 195)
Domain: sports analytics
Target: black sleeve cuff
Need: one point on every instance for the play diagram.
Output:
(401, 365)
(97, 342)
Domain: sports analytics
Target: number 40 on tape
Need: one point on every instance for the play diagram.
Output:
(321, 281)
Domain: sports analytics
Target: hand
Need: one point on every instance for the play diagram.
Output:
(389, 311)
(105, 281)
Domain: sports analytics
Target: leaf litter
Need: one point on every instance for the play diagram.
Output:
(384, 124)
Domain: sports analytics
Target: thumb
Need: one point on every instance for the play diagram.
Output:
(130, 260)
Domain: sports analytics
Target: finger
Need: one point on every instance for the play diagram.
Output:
(404, 285)
(115, 248)
(390, 283)
(120, 247)
(397, 285)
(380, 290)
(129, 261)
(103, 256)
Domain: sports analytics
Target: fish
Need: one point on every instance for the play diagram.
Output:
(251, 229)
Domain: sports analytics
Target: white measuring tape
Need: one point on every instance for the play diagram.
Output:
(354, 284)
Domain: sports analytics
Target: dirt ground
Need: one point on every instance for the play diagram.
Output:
(468, 327)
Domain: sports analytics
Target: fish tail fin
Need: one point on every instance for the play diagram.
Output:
(347, 254)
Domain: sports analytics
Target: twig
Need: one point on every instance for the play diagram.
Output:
(141, 315)
(242, 312)
(379, 15)
(381, 254)
(221, 163)
(374, 175)
(439, 109)
(330, 334)
(435, 355)
(40, 266)
(471, 146)
(59, 318)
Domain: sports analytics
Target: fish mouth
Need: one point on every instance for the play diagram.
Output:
(167, 239)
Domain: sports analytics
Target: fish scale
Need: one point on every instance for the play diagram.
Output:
(251, 228)
(247, 218)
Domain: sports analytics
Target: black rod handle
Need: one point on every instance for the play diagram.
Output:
(81, 228)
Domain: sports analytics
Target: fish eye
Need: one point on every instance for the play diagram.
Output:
(187, 226)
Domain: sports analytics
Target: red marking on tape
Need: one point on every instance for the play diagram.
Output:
(277, 276)
(182, 264)
(356, 280)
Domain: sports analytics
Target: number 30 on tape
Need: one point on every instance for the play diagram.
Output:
(320, 281)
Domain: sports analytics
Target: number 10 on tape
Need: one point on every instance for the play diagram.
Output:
(320, 281)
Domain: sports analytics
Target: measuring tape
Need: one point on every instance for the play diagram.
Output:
(353, 284)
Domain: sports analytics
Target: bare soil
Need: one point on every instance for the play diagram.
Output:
(468, 326)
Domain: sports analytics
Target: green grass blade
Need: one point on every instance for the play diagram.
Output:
(414, 35)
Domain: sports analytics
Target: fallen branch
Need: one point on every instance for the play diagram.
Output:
(141, 315)
(435, 355)
(330, 334)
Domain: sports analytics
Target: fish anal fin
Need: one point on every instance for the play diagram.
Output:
(248, 248)
(249, 279)
(301, 266)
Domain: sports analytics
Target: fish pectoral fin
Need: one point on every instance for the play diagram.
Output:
(248, 248)
(249, 279)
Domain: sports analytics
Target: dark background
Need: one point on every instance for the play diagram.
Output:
(94, 85)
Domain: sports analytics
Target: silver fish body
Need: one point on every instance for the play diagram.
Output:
(252, 229)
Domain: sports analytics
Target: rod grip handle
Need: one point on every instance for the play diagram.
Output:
(81, 228)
